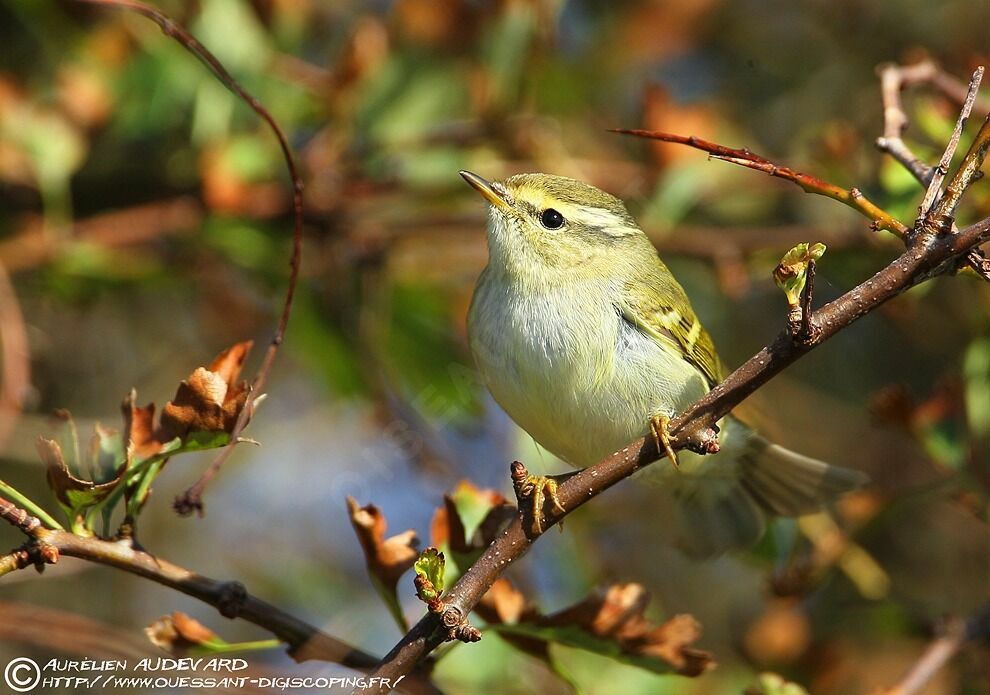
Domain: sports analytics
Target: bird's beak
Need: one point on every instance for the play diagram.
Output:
(486, 189)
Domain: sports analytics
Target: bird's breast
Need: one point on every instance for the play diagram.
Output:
(572, 373)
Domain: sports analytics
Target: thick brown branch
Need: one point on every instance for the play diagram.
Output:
(928, 256)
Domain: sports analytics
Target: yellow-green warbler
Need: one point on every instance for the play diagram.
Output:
(587, 341)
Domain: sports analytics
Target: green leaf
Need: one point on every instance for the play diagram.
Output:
(791, 274)
(429, 568)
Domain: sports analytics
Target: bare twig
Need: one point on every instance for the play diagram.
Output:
(954, 633)
(852, 197)
(969, 170)
(192, 499)
(230, 598)
(894, 78)
(807, 323)
(17, 517)
(935, 657)
(942, 169)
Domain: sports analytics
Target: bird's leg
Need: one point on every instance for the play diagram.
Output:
(534, 490)
(658, 426)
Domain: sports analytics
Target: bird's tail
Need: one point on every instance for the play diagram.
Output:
(724, 504)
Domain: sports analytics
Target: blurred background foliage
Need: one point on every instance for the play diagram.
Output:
(144, 226)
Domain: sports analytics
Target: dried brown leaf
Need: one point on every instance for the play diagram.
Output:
(466, 503)
(387, 558)
(614, 615)
(210, 400)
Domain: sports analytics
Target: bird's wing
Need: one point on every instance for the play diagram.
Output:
(673, 321)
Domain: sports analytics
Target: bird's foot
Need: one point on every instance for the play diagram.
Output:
(658, 426)
(533, 491)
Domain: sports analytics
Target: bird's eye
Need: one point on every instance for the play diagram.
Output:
(551, 219)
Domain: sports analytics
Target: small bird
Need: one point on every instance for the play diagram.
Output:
(588, 342)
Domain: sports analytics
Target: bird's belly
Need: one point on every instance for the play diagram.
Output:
(582, 388)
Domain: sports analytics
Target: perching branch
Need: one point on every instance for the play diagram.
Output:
(192, 499)
(927, 255)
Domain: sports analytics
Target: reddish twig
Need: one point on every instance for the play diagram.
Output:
(192, 499)
(852, 197)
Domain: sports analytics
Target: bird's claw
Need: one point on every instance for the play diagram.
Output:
(537, 489)
(658, 426)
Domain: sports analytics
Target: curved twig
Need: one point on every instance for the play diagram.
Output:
(192, 500)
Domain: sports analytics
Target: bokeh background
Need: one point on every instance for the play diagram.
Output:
(145, 224)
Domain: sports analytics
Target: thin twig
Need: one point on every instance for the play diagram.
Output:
(17, 517)
(969, 171)
(954, 634)
(942, 169)
(807, 319)
(192, 499)
(894, 78)
(852, 197)
(931, 662)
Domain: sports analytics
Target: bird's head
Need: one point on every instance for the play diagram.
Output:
(543, 225)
